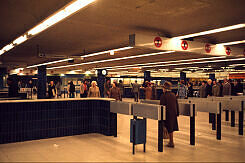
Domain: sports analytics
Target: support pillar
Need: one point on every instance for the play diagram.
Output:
(3, 72)
(42, 80)
(212, 76)
(147, 76)
(183, 76)
(101, 81)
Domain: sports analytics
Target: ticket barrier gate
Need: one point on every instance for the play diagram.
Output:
(151, 111)
(185, 109)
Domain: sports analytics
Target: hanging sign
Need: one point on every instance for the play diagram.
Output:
(184, 45)
(228, 50)
(207, 48)
(158, 42)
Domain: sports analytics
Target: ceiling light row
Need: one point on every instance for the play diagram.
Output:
(55, 18)
(113, 59)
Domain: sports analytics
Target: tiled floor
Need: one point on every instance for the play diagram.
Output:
(96, 147)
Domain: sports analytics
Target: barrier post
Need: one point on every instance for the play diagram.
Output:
(160, 132)
(232, 118)
(226, 115)
(192, 125)
(241, 114)
(214, 121)
(218, 132)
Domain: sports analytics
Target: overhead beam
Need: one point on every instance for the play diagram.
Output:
(173, 44)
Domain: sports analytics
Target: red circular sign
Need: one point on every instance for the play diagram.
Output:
(184, 45)
(207, 48)
(228, 50)
(158, 42)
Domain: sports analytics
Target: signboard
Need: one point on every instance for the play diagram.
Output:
(237, 76)
(228, 50)
(158, 42)
(207, 48)
(184, 45)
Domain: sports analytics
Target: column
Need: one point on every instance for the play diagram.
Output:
(101, 80)
(3, 72)
(183, 76)
(212, 76)
(147, 76)
(42, 80)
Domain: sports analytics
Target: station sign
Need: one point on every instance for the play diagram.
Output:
(158, 42)
(207, 48)
(228, 50)
(184, 45)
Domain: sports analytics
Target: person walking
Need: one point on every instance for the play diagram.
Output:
(154, 91)
(83, 89)
(237, 88)
(182, 90)
(121, 87)
(190, 90)
(58, 89)
(135, 90)
(148, 92)
(115, 92)
(215, 89)
(209, 88)
(71, 90)
(107, 87)
(202, 90)
(226, 88)
(94, 90)
(169, 100)
(51, 90)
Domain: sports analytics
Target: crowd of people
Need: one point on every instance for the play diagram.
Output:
(210, 88)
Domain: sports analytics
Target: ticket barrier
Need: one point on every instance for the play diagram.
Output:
(204, 105)
(233, 104)
(151, 111)
(185, 109)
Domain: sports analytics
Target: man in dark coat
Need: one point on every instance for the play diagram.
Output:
(209, 88)
(169, 100)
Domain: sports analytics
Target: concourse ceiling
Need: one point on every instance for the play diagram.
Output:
(107, 24)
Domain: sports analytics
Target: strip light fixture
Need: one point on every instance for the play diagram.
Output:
(232, 43)
(166, 62)
(107, 51)
(48, 63)
(228, 28)
(50, 21)
(235, 59)
(113, 59)
(60, 15)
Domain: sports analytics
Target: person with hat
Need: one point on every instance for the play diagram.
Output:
(169, 100)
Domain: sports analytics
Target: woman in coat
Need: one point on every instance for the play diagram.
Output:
(94, 91)
(115, 92)
(148, 92)
(169, 100)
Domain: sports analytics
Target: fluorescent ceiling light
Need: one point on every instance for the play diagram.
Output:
(1, 52)
(232, 43)
(166, 62)
(8, 47)
(107, 51)
(114, 59)
(53, 19)
(57, 17)
(48, 63)
(20, 40)
(233, 65)
(236, 59)
(212, 31)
